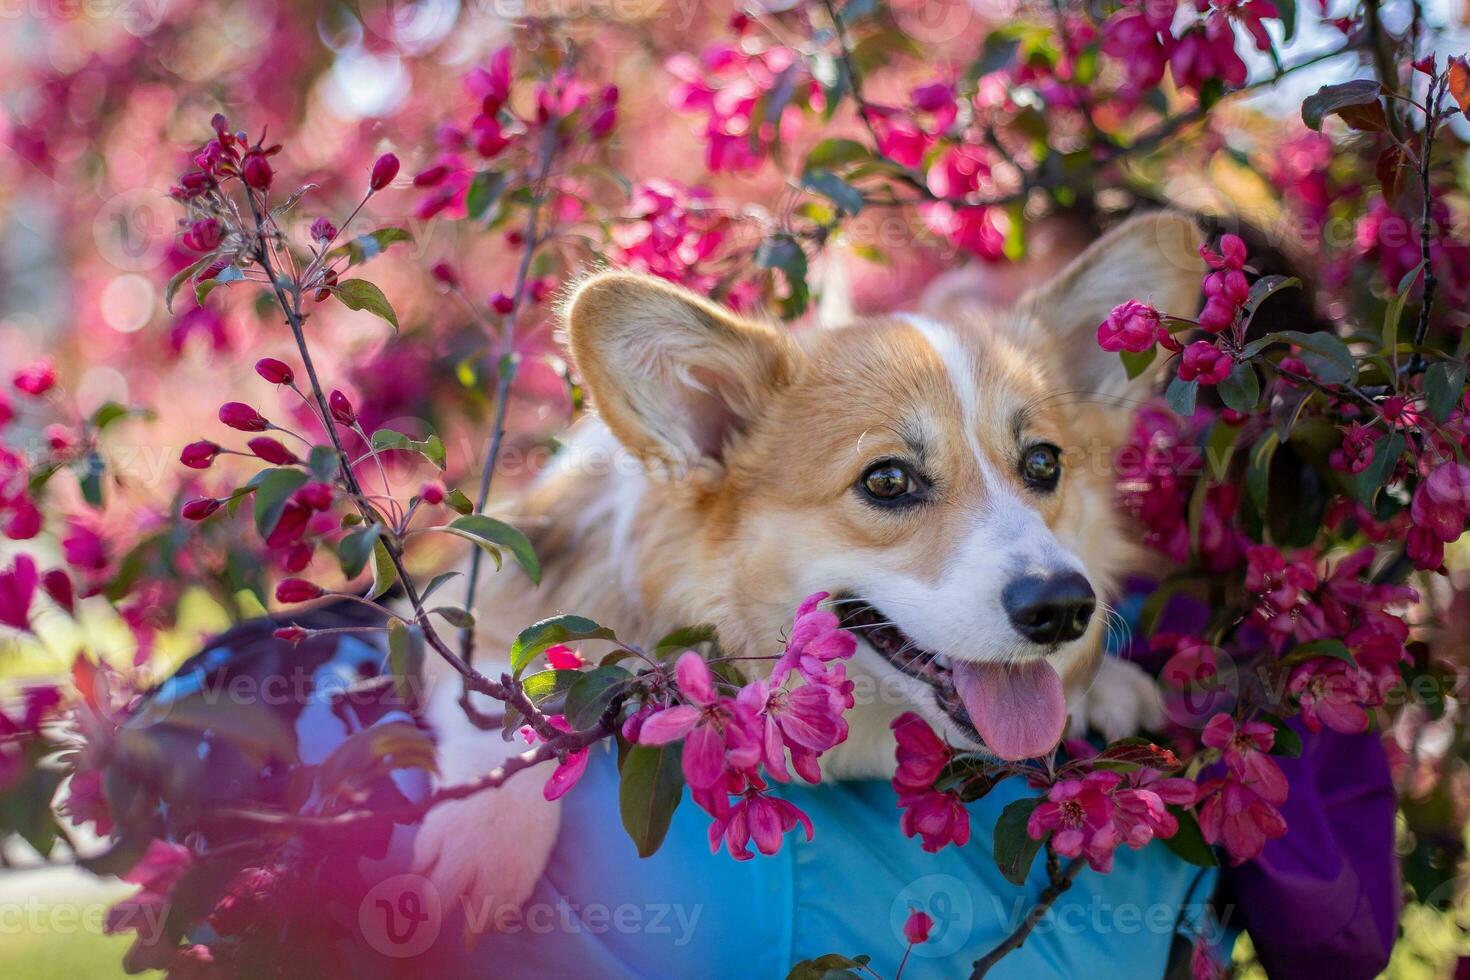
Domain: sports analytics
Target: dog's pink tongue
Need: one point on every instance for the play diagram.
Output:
(1018, 708)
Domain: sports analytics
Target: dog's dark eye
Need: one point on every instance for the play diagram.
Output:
(1041, 466)
(889, 483)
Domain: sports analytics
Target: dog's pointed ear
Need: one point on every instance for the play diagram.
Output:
(1153, 257)
(673, 375)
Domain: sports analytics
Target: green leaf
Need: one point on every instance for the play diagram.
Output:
(835, 189)
(224, 277)
(273, 488)
(1444, 382)
(1394, 313)
(1258, 473)
(593, 692)
(545, 683)
(431, 448)
(1181, 395)
(371, 245)
(834, 153)
(1334, 363)
(459, 502)
(405, 657)
(650, 789)
(1314, 649)
(359, 294)
(181, 277)
(89, 470)
(682, 639)
(356, 547)
(110, 412)
(435, 583)
(1015, 851)
(1330, 99)
(322, 461)
(1137, 363)
(1386, 453)
(384, 574)
(1188, 842)
(489, 533)
(1241, 389)
(534, 639)
(1287, 10)
(455, 616)
(1266, 287)
(1287, 743)
(781, 251)
(484, 193)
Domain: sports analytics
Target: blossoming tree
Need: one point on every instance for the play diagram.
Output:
(1304, 471)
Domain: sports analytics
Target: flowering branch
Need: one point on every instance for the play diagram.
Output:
(1060, 879)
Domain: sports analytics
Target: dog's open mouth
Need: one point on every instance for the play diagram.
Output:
(1017, 708)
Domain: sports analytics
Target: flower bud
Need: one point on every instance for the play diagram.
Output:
(431, 177)
(275, 371)
(36, 378)
(432, 494)
(502, 303)
(916, 929)
(203, 235)
(384, 170)
(220, 124)
(444, 272)
(256, 171)
(316, 495)
(238, 415)
(341, 408)
(323, 230)
(199, 508)
(272, 451)
(297, 590)
(199, 455)
(58, 586)
(291, 634)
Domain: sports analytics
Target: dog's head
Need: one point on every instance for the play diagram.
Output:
(949, 481)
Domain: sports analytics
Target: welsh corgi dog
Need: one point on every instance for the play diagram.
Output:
(946, 476)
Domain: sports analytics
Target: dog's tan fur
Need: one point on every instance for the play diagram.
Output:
(724, 493)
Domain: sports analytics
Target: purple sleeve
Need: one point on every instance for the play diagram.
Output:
(1324, 899)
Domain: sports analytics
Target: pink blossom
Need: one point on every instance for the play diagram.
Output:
(759, 817)
(1205, 53)
(1441, 502)
(922, 754)
(917, 927)
(569, 769)
(716, 731)
(1356, 452)
(1078, 813)
(1205, 362)
(1237, 817)
(36, 378)
(1244, 748)
(816, 639)
(1331, 693)
(17, 590)
(808, 717)
(936, 818)
(562, 657)
(1131, 326)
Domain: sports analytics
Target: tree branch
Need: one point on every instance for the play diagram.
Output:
(1061, 880)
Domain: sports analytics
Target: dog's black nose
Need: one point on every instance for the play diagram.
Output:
(1050, 608)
